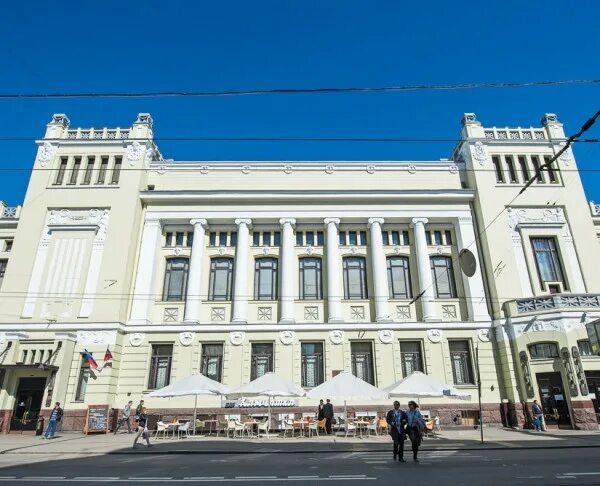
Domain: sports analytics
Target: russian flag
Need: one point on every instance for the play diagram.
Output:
(90, 359)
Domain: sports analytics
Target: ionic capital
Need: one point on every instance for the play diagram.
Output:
(418, 221)
(372, 221)
(199, 221)
(290, 221)
(335, 221)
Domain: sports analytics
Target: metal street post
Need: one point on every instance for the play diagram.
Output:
(479, 391)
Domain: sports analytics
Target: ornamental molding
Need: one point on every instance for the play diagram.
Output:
(518, 217)
(484, 335)
(287, 337)
(288, 169)
(204, 169)
(237, 337)
(90, 338)
(371, 169)
(186, 338)
(77, 218)
(386, 336)
(134, 152)
(136, 338)
(434, 335)
(45, 153)
(336, 336)
(151, 156)
(412, 169)
(246, 169)
(479, 152)
(567, 156)
(329, 169)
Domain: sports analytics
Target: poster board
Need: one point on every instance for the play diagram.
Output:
(96, 419)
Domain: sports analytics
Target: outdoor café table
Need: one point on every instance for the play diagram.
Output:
(173, 427)
(361, 425)
(301, 424)
(249, 426)
(210, 425)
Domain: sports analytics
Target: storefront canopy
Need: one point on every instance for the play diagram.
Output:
(346, 386)
(420, 385)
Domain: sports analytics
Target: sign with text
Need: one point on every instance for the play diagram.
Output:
(259, 403)
(96, 420)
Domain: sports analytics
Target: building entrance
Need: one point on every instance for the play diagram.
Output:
(28, 404)
(593, 383)
(553, 400)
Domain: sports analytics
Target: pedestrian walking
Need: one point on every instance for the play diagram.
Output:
(55, 417)
(538, 416)
(138, 409)
(320, 415)
(142, 428)
(125, 417)
(328, 415)
(415, 427)
(397, 420)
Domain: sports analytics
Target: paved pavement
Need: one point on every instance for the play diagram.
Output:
(450, 467)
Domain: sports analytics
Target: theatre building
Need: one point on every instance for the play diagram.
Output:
(234, 269)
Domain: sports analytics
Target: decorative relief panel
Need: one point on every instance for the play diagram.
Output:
(134, 152)
(311, 313)
(89, 338)
(171, 314)
(484, 335)
(237, 337)
(136, 338)
(336, 337)
(449, 312)
(403, 312)
(357, 312)
(386, 336)
(45, 153)
(434, 335)
(186, 338)
(287, 337)
(479, 152)
(264, 313)
(217, 313)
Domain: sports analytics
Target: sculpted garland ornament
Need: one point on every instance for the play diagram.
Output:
(45, 153)
(134, 152)
(479, 152)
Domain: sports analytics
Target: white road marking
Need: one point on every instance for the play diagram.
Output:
(566, 477)
(256, 477)
(204, 478)
(199, 479)
(582, 474)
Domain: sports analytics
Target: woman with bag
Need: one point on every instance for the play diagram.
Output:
(415, 427)
(142, 428)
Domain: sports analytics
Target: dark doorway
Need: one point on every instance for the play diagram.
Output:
(593, 383)
(28, 404)
(553, 400)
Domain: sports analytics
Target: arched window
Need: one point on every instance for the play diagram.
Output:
(265, 279)
(543, 350)
(310, 279)
(443, 277)
(355, 278)
(176, 275)
(399, 277)
(221, 278)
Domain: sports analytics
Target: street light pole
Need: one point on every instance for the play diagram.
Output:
(479, 391)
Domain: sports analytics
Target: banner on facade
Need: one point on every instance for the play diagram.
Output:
(259, 403)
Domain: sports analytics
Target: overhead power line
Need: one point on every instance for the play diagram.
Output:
(250, 92)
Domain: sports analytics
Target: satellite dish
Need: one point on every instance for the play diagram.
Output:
(467, 262)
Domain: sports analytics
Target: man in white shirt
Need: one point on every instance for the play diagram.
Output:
(124, 418)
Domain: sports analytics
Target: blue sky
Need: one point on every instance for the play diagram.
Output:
(202, 45)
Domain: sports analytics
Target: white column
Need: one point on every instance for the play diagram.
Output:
(288, 263)
(378, 261)
(240, 284)
(334, 281)
(143, 293)
(424, 270)
(474, 289)
(194, 285)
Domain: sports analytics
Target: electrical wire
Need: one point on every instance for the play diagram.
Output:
(284, 91)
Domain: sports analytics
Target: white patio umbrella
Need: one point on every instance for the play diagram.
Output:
(269, 385)
(420, 385)
(345, 386)
(192, 385)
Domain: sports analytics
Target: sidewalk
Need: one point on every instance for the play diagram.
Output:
(495, 438)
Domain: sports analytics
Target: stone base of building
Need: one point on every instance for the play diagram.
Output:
(584, 415)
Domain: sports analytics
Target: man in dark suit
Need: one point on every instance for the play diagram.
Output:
(328, 415)
(397, 419)
(320, 410)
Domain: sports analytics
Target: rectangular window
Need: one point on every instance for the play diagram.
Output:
(267, 238)
(543, 351)
(448, 236)
(169, 239)
(437, 237)
(60, 174)
(352, 238)
(460, 357)
(221, 278)
(411, 357)
(84, 375)
(547, 260)
(261, 360)
(176, 275)
(355, 278)
(212, 239)
(160, 366)
(233, 238)
(443, 277)
(363, 238)
(212, 361)
(312, 364)
(179, 238)
(277, 238)
(552, 170)
(299, 238)
(89, 170)
(116, 172)
(395, 237)
(498, 169)
(222, 238)
(524, 167)
(320, 238)
(75, 171)
(310, 279)
(102, 172)
(189, 241)
(256, 238)
(385, 237)
(512, 172)
(585, 347)
(399, 278)
(536, 166)
(3, 264)
(265, 279)
(8, 244)
(361, 357)
(342, 237)
(405, 238)
(428, 237)
(310, 238)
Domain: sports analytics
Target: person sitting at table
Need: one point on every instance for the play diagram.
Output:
(397, 420)
(328, 415)
(320, 415)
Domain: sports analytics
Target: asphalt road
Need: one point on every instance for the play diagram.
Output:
(577, 466)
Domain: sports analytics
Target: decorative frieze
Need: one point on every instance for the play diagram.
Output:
(90, 338)
(551, 302)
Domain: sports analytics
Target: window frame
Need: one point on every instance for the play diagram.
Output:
(512, 171)
(318, 270)
(102, 170)
(362, 273)
(498, 169)
(206, 358)
(85, 373)
(89, 171)
(211, 281)
(468, 361)
(406, 274)
(588, 344)
(3, 267)
(155, 360)
(258, 276)
(370, 363)
(320, 363)
(167, 279)
(74, 176)
(545, 346)
(61, 171)
(418, 358)
(555, 259)
(116, 171)
(254, 359)
(449, 271)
